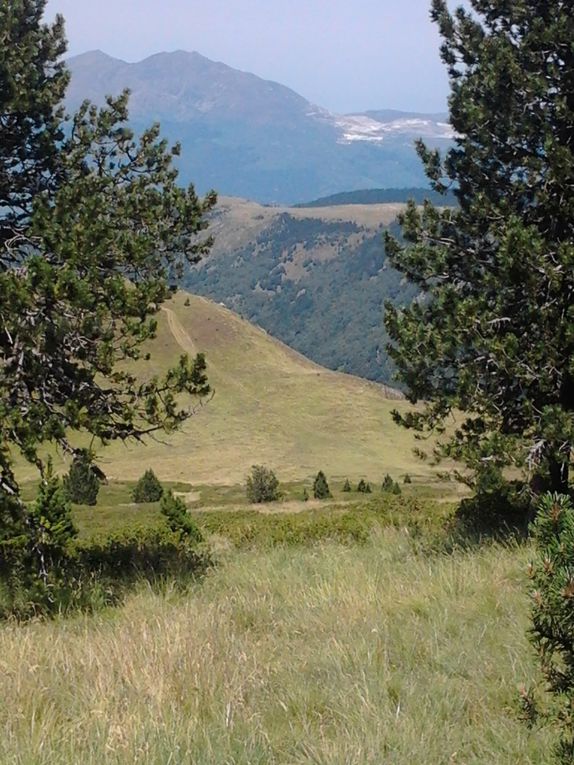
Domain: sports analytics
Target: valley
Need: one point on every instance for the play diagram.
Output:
(286, 467)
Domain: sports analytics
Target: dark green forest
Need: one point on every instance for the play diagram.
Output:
(332, 311)
(382, 196)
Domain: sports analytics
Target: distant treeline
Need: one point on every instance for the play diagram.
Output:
(381, 196)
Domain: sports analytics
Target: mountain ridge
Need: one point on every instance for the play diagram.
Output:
(250, 137)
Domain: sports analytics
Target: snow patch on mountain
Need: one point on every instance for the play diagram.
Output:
(359, 127)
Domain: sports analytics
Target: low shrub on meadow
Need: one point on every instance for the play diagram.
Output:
(141, 553)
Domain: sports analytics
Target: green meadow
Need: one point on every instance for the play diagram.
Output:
(355, 629)
(367, 650)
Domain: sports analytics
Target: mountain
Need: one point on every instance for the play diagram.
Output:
(317, 278)
(249, 137)
(271, 406)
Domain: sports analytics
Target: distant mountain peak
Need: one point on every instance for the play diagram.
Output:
(252, 137)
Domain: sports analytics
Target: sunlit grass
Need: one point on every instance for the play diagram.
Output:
(329, 654)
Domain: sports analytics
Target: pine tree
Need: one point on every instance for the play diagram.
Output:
(320, 486)
(388, 484)
(82, 484)
(364, 487)
(33, 564)
(148, 488)
(552, 590)
(346, 485)
(92, 223)
(492, 333)
(178, 520)
(52, 523)
(33, 81)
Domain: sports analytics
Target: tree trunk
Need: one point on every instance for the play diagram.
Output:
(558, 472)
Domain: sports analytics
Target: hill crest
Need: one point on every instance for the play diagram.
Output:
(271, 406)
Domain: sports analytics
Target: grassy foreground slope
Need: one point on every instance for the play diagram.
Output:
(331, 655)
(271, 405)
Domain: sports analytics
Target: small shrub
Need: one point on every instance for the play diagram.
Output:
(148, 488)
(320, 486)
(305, 495)
(262, 485)
(187, 302)
(175, 511)
(346, 485)
(390, 486)
(364, 487)
(552, 632)
(82, 484)
(407, 478)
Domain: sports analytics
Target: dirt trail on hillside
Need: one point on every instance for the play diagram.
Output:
(187, 345)
(180, 335)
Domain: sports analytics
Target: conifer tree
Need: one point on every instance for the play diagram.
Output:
(390, 486)
(492, 334)
(364, 487)
(82, 484)
(346, 485)
(51, 519)
(92, 224)
(388, 483)
(177, 517)
(552, 591)
(148, 488)
(32, 563)
(320, 486)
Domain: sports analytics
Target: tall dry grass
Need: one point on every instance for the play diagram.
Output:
(332, 655)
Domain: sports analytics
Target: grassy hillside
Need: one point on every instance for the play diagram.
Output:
(271, 406)
(317, 278)
(335, 655)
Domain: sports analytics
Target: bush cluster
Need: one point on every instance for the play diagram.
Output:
(262, 485)
(258, 530)
(140, 552)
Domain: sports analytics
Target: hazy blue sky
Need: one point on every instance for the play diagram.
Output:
(344, 55)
